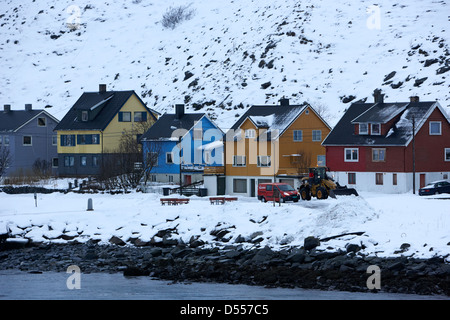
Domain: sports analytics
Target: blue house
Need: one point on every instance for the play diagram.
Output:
(27, 137)
(200, 141)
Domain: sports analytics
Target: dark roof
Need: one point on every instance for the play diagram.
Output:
(381, 112)
(168, 123)
(399, 134)
(105, 104)
(14, 119)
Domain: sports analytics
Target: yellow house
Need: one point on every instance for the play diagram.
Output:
(93, 128)
(273, 143)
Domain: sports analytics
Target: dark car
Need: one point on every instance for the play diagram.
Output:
(436, 187)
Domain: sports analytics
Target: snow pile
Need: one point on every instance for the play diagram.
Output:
(386, 222)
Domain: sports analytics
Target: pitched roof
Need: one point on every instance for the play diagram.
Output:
(399, 134)
(167, 124)
(14, 119)
(106, 105)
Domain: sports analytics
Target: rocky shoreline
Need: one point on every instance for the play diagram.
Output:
(294, 267)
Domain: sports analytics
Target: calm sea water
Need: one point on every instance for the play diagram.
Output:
(101, 286)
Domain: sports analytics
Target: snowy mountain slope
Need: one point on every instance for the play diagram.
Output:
(230, 55)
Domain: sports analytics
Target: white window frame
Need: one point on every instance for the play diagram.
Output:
(28, 144)
(319, 162)
(45, 122)
(376, 151)
(250, 133)
(264, 164)
(446, 152)
(440, 128)
(351, 154)
(367, 128)
(171, 156)
(314, 135)
(371, 129)
(294, 135)
(243, 162)
(84, 116)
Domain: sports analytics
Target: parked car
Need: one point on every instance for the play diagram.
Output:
(436, 187)
(278, 191)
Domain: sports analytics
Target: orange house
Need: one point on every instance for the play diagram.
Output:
(273, 143)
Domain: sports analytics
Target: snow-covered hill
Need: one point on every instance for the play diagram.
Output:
(228, 56)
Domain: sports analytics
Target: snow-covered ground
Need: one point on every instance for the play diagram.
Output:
(388, 221)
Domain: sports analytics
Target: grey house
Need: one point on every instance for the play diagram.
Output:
(27, 135)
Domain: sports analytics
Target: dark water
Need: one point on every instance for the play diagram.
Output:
(101, 286)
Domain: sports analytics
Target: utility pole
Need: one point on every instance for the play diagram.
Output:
(181, 183)
(414, 153)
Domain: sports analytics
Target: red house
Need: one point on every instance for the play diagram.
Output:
(373, 148)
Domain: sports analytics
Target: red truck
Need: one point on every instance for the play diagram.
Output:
(279, 191)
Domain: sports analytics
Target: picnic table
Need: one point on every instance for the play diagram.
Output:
(174, 201)
(221, 200)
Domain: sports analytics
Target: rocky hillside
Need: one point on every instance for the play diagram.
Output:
(223, 56)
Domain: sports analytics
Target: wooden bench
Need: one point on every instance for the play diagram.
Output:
(174, 201)
(221, 200)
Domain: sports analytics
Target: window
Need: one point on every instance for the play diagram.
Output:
(435, 128)
(394, 179)
(363, 128)
(317, 135)
(84, 116)
(198, 134)
(379, 178)
(351, 178)
(240, 185)
(169, 157)
(250, 133)
(69, 161)
(124, 116)
(42, 122)
(140, 116)
(351, 154)
(269, 187)
(376, 128)
(54, 140)
(1, 140)
(298, 135)
(447, 154)
(88, 139)
(263, 161)
(27, 140)
(378, 155)
(170, 178)
(83, 161)
(239, 161)
(67, 140)
(95, 161)
(55, 162)
(321, 162)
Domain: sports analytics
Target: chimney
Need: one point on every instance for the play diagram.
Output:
(378, 96)
(28, 107)
(102, 88)
(179, 111)
(414, 99)
(284, 102)
(7, 107)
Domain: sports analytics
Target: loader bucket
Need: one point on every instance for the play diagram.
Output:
(343, 192)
